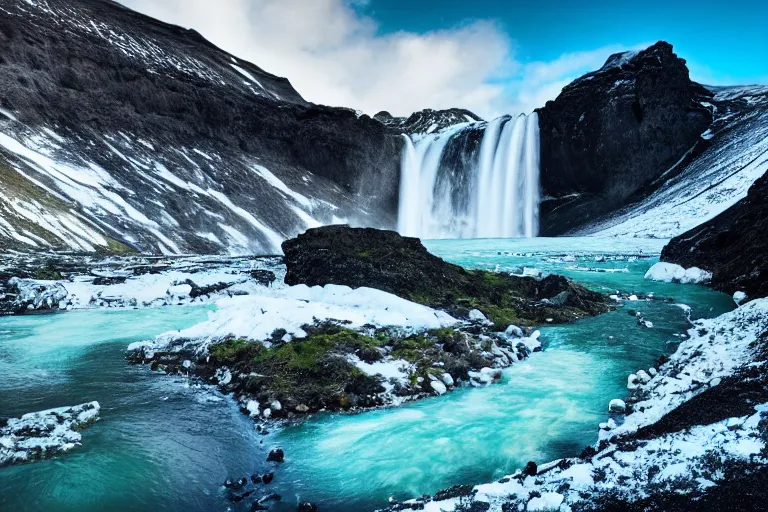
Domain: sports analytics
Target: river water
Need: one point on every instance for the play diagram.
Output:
(162, 444)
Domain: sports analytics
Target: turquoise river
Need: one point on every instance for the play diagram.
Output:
(164, 443)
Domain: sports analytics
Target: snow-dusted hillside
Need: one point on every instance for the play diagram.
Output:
(710, 178)
(118, 131)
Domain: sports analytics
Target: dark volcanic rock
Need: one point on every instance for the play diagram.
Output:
(612, 131)
(385, 260)
(276, 455)
(732, 246)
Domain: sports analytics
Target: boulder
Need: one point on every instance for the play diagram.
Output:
(276, 455)
(531, 469)
(617, 406)
(358, 257)
(263, 277)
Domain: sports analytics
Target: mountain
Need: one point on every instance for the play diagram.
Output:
(427, 120)
(708, 179)
(612, 131)
(119, 132)
(638, 149)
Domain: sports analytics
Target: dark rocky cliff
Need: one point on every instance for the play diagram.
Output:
(97, 86)
(613, 131)
(733, 245)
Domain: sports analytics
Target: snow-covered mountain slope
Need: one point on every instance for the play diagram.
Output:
(711, 177)
(118, 131)
(427, 120)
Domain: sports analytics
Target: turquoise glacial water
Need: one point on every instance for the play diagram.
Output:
(161, 445)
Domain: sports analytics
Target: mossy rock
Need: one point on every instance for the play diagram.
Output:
(400, 265)
(312, 371)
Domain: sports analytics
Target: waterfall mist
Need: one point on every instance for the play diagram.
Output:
(495, 196)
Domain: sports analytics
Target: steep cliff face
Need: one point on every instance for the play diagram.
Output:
(151, 137)
(613, 131)
(707, 180)
(732, 246)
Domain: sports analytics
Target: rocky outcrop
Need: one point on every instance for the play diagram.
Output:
(39, 435)
(333, 367)
(732, 246)
(613, 131)
(385, 260)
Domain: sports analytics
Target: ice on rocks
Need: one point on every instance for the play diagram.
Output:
(438, 387)
(43, 434)
(617, 406)
(547, 501)
(672, 273)
(739, 297)
(253, 408)
(475, 315)
(513, 331)
(714, 348)
(485, 376)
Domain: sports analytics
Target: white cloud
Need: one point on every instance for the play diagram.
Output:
(333, 55)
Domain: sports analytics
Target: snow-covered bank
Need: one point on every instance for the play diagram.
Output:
(687, 461)
(256, 317)
(39, 435)
(639, 458)
(83, 283)
(714, 350)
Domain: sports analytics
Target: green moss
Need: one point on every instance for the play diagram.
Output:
(48, 272)
(232, 351)
(443, 335)
(412, 349)
(298, 354)
(502, 317)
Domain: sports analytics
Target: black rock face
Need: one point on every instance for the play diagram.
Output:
(612, 131)
(732, 246)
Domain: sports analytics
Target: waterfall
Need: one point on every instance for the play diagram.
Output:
(495, 196)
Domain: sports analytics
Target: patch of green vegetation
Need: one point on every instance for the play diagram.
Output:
(412, 349)
(501, 316)
(303, 354)
(443, 335)
(233, 351)
(313, 371)
(117, 247)
(49, 272)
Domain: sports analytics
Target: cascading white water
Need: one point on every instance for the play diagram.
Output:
(500, 199)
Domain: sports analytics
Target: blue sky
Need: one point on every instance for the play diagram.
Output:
(724, 41)
(489, 56)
